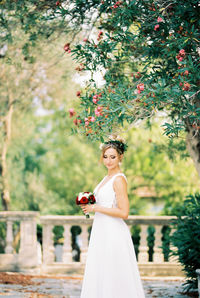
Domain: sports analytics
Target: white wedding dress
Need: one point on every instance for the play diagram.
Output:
(111, 269)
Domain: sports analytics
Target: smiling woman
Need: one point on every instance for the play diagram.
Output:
(111, 268)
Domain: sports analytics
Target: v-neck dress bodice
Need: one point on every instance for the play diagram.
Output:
(104, 193)
(111, 269)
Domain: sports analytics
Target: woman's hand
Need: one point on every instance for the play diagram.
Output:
(87, 208)
(122, 209)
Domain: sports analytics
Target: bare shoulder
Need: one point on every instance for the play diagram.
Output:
(120, 181)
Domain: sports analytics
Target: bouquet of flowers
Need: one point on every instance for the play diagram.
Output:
(85, 198)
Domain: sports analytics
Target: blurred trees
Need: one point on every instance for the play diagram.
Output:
(48, 168)
(159, 177)
(23, 26)
(42, 166)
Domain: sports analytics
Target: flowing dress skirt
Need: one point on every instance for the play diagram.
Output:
(111, 269)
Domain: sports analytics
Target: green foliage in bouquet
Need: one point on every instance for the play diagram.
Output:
(187, 239)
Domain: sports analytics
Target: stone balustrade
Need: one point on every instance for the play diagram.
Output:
(27, 257)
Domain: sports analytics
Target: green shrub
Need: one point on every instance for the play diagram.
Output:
(187, 239)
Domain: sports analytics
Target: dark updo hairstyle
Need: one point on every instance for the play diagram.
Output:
(116, 143)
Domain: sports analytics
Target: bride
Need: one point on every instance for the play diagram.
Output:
(111, 269)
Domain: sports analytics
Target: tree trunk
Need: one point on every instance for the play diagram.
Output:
(193, 146)
(5, 195)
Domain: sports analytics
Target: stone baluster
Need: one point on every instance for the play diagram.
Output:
(9, 238)
(28, 253)
(158, 256)
(143, 256)
(67, 248)
(48, 247)
(173, 258)
(84, 238)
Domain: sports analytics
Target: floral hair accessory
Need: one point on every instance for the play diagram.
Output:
(120, 146)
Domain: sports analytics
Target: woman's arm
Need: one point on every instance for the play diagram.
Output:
(122, 209)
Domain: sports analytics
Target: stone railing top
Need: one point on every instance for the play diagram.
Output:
(18, 215)
(148, 219)
(65, 219)
(79, 219)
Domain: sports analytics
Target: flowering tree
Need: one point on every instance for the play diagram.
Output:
(149, 52)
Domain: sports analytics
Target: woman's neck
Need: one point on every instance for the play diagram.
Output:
(113, 172)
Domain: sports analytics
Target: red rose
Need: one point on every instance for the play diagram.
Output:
(77, 201)
(84, 200)
(92, 198)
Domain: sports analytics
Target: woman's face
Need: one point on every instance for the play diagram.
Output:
(111, 158)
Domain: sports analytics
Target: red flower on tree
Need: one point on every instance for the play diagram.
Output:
(117, 4)
(156, 27)
(159, 20)
(87, 122)
(138, 75)
(140, 87)
(67, 48)
(98, 111)
(78, 93)
(71, 112)
(100, 35)
(75, 121)
(186, 86)
(181, 55)
(80, 67)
